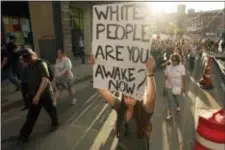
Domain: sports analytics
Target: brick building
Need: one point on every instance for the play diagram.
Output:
(203, 22)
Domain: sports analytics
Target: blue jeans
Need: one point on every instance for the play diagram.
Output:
(172, 99)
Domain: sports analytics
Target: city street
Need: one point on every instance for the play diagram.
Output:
(118, 38)
(89, 123)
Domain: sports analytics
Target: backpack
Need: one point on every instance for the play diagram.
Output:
(50, 69)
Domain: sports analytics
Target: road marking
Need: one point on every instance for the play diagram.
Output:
(90, 99)
(114, 144)
(104, 132)
(91, 125)
(72, 117)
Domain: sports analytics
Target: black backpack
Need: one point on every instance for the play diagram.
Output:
(50, 69)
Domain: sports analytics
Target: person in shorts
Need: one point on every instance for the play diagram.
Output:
(63, 76)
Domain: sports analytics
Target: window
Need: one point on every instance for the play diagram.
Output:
(77, 18)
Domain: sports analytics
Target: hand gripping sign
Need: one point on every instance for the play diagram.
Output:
(121, 46)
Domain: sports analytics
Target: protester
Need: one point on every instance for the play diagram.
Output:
(133, 126)
(174, 83)
(63, 76)
(13, 59)
(81, 49)
(7, 69)
(39, 93)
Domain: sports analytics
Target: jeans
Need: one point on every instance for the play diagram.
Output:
(24, 92)
(172, 98)
(33, 113)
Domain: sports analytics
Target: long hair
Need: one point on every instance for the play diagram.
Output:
(141, 116)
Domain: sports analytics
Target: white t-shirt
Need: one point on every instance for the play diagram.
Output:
(63, 66)
(174, 76)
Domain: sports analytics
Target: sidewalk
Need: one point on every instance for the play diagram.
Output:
(11, 98)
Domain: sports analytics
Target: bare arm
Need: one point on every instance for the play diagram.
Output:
(43, 85)
(44, 79)
(108, 97)
(150, 90)
(150, 96)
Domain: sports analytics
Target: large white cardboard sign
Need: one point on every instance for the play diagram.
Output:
(121, 45)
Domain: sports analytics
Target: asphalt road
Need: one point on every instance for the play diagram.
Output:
(82, 123)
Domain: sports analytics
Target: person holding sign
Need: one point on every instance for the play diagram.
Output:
(133, 125)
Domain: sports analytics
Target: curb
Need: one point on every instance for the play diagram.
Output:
(19, 103)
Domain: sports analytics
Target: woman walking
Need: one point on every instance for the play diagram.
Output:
(133, 125)
(174, 83)
(63, 76)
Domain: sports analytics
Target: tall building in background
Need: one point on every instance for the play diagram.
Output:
(180, 19)
(181, 9)
(191, 11)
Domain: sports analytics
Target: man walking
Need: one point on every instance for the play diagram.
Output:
(7, 69)
(39, 93)
(11, 48)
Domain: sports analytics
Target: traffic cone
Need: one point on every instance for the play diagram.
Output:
(210, 133)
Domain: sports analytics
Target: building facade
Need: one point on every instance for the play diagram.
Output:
(60, 25)
(205, 22)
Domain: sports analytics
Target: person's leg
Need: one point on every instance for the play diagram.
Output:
(24, 95)
(57, 95)
(58, 89)
(71, 92)
(176, 100)
(169, 100)
(32, 116)
(47, 103)
(12, 79)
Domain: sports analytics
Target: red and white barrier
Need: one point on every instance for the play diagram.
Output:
(211, 132)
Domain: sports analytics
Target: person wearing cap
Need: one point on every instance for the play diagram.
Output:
(39, 93)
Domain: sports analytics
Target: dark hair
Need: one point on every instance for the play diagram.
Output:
(142, 118)
(62, 51)
(176, 56)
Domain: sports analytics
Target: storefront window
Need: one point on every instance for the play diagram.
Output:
(77, 18)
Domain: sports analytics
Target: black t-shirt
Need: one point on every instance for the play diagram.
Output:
(13, 56)
(4, 54)
(36, 72)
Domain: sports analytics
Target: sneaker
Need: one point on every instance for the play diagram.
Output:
(168, 117)
(74, 101)
(178, 109)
